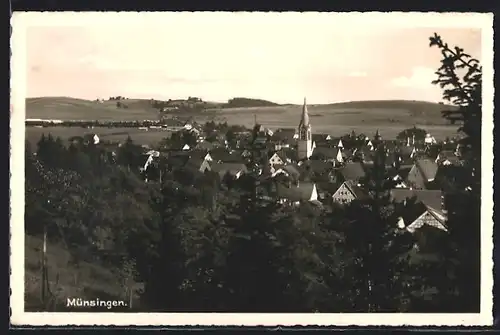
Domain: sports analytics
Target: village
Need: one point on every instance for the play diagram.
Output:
(302, 166)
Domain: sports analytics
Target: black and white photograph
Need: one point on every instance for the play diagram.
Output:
(266, 168)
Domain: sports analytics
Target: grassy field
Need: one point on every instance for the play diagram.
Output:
(390, 116)
(150, 137)
(85, 280)
(63, 108)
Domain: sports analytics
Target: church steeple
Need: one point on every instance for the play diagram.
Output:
(304, 120)
(305, 146)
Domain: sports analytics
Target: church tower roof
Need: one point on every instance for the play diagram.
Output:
(304, 121)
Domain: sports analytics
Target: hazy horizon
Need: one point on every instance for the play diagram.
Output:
(213, 101)
(276, 57)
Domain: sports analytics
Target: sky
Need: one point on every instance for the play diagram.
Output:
(218, 57)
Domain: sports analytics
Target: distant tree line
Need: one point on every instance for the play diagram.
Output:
(247, 102)
(96, 123)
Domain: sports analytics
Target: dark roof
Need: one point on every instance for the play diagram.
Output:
(319, 137)
(406, 151)
(283, 134)
(329, 153)
(292, 169)
(352, 171)
(431, 198)
(231, 168)
(358, 192)
(223, 155)
(428, 168)
(318, 166)
(295, 193)
(198, 153)
(194, 163)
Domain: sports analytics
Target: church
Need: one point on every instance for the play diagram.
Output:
(304, 141)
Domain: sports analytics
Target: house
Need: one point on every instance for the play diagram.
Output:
(408, 152)
(419, 215)
(363, 154)
(422, 172)
(284, 135)
(324, 153)
(347, 192)
(296, 193)
(319, 167)
(320, 138)
(198, 164)
(290, 170)
(339, 158)
(340, 144)
(420, 207)
(400, 175)
(201, 154)
(275, 159)
(235, 170)
(447, 157)
(429, 139)
(222, 155)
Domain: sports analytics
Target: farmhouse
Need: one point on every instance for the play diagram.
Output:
(347, 192)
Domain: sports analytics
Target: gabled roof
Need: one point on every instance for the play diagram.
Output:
(302, 192)
(329, 153)
(353, 171)
(282, 134)
(318, 166)
(430, 198)
(319, 137)
(415, 211)
(195, 163)
(223, 155)
(231, 168)
(280, 153)
(197, 153)
(357, 191)
(428, 168)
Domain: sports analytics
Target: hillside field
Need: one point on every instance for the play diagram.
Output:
(150, 137)
(390, 117)
(66, 278)
(63, 108)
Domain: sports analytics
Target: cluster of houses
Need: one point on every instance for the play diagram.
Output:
(296, 166)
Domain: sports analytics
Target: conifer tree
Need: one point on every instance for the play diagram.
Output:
(460, 77)
(375, 244)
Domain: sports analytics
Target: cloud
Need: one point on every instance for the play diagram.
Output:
(358, 74)
(421, 77)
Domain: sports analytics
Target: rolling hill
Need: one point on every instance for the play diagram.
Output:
(65, 108)
(390, 116)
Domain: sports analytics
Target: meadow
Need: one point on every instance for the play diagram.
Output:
(390, 117)
(140, 136)
(66, 278)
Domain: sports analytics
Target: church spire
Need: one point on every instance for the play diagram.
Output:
(304, 121)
